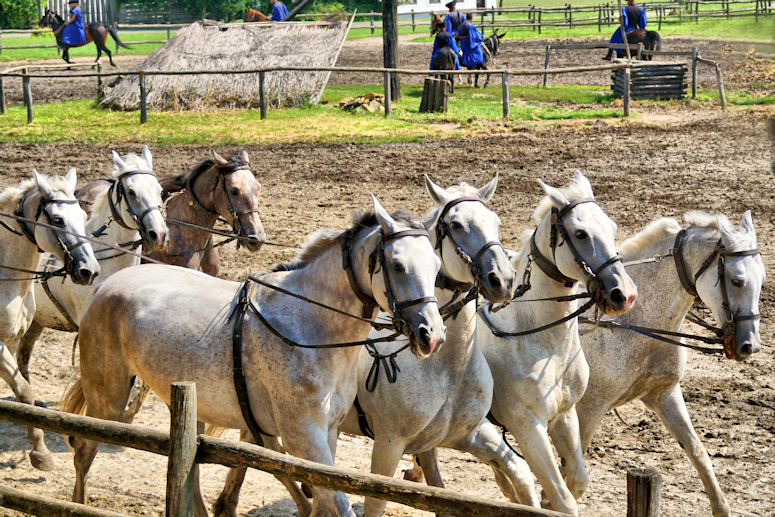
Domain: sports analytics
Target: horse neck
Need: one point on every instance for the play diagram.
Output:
(113, 234)
(461, 329)
(183, 208)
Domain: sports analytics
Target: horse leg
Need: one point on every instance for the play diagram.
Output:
(415, 473)
(670, 407)
(385, 456)
(200, 510)
(486, 81)
(210, 262)
(26, 345)
(566, 439)
(66, 54)
(40, 456)
(100, 42)
(428, 462)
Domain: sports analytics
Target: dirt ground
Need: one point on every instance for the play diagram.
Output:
(668, 162)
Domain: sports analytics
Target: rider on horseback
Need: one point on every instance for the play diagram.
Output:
(634, 18)
(454, 19)
(444, 39)
(470, 40)
(72, 33)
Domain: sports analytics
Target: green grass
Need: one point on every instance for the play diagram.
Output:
(89, 50)
(469, 109)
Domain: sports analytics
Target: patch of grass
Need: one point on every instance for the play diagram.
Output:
(89, 50)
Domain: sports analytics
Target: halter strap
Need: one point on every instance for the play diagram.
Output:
(369, 303)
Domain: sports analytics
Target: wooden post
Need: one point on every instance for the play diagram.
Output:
(2, 97)
(180, 469)
(639, 54)
(492, 17)
(99, 80)
(643, 490)
(539, 20)
(599, 18)
(168, 30)
(1, 43)
(624, 33)
(262, 95)
(721, 94)
(371, 21)
(505, 87)
(660, 10)
(414, 25)
(694, 72)
(27, 95)
(570, 17)
(546, 63)
(390, 44)
(388, 96)
(627, 76)
(143, 111)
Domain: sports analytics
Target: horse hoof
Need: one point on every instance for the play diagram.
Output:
(42, 461)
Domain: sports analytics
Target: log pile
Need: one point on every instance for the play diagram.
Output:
(371, 102)
(435, 95)
(653, 80)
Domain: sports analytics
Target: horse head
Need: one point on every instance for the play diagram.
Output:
(579, 238)
(465, 236)
(436, 22)
(732, 284)
(53, 197)
(237, 201)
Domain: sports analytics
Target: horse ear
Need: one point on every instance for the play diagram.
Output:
(746, 224)
(244, 156)
(513, 256)
(557, 197)
(488, 191)
(219, 160)
(43, 187)
(118, 161)
(147, 157)
(501, 36)
(388, 223)
(438, 194)
(71, 179)
(582, 181)
(727, 234)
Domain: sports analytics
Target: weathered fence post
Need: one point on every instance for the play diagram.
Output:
(546, 63)
(2, 97)
(99, 80)
(414, 25)
(1, 43)
(694, 72)
(505, 86)
(262, 95)
(721, 94)
(27, 91)
(599, 18)
(539, 20)
(180, 470)
(493, 17)
(168, 31)
(388, 96)
(639, 55)
(143, 111)
(643, 490)
(627, 77)
(371, 20)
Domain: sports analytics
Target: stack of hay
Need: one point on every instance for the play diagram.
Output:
(210, 46)
(370, 102)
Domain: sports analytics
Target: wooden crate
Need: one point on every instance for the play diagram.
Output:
(653, 80)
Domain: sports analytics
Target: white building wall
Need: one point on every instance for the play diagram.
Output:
(437, 6)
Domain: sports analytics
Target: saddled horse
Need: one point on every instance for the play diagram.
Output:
(96, 32)
(253, 15)
(650, 39)
(446, 59)
(128, 214)
(490, 47)
(49, 200)
(168, 323)
(712, 261)
(533, 348)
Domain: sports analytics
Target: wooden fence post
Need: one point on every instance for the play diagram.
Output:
(99, 80)
(694, 72)
(2, 97)
(388, 96)
(414, 25)
(371, 20)
(721, 94)
(539, 20)
(546, 63)
(1, 43)
(180, 470)
(143, 110)
(599, 18)
(168, 31)
(27, 92)
(262, 95)
(627, 77)
(643, 490)
(493, 17)
(639, 55)
(505, 87)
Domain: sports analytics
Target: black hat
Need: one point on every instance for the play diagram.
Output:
(451, 4)
(72, 1)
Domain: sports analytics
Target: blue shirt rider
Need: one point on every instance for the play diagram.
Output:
(73, 34)
(279, 11)
(444, 39)
(470, 40)
(454, 19)
(634, 18)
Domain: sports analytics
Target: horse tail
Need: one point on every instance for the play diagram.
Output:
(74, 400)
(215, 431)
(657, 40)
(113, 33)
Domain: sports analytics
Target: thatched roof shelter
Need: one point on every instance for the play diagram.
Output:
(212, 46)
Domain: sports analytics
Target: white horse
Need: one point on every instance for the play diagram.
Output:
(168, 323)
(127, 215)
(626, 365)
(49, 200)
(540, 376)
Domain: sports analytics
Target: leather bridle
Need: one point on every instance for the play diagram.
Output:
(118, 189)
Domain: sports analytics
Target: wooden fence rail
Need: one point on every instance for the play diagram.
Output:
(183, 452)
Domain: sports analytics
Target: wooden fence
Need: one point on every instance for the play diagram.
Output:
(186, 449)
(387, 73)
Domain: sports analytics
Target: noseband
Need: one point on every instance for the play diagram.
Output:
(369, 303)
(729, 328)
(236, 224)
(118, 188)
(550, 268)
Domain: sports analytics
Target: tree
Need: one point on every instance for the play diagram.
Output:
(18, 14)
(216, 9)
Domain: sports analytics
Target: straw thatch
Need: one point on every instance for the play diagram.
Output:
(210, 46)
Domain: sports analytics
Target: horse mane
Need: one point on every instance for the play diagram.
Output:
(177, 183)
(742, 241)
(573, 191)
(655, 230)
(322, 240)
(10, 196)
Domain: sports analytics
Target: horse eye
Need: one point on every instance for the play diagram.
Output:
(398, 267)
(737, 282)
(456, 226)
(581, 234)
(58, 221)
(131, 193)
(234, 191)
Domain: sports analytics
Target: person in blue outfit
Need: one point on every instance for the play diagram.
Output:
(444, 39)
(634, 18)
(454, 19)
(470, 40)
(279, 11)
(73, 34)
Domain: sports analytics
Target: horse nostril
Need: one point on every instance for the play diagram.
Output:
(153, 235)
(746, 350)
(495, 280)
(616, 297)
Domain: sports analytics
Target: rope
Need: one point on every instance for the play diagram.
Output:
(228, 234)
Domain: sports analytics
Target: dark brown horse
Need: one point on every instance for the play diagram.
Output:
(650, 39)
(96, 32)
(252, 15)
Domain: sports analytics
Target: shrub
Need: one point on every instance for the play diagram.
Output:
(18, 14)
